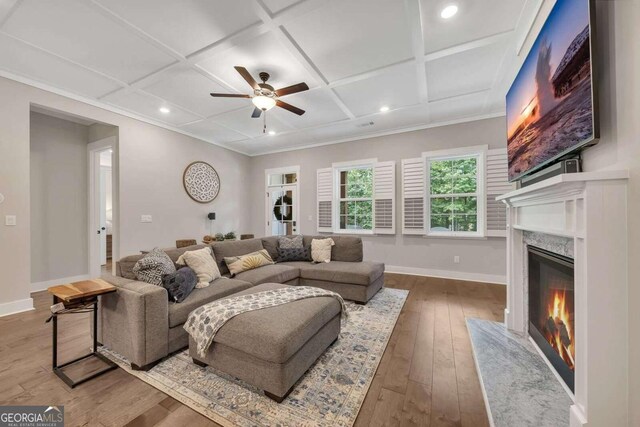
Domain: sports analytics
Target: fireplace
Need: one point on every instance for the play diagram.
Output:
(551, 309)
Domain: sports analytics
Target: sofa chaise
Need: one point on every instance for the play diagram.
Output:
(140, 323)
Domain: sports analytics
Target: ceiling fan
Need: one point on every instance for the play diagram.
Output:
(265, 97)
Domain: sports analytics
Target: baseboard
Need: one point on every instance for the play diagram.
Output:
(14, 307)
(42, 286)
(447, 274)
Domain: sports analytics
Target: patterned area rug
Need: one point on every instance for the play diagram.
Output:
(329, 394)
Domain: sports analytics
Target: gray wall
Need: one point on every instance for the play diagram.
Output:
(59, 205)
(479, 257)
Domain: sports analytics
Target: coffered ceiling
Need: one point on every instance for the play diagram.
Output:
(357, 56)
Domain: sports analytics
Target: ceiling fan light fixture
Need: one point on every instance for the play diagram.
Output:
(264, 103)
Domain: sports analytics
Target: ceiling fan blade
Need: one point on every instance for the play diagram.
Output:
(229, 95)
(245, 75)
(300, 87)
(256, 113)
(290, 107)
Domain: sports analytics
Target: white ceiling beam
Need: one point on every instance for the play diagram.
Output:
(370, 74)
(108, 13)
(255, 30)
(296, 10)
(290, 44)
(189, 60)
(240, 37)
(474, 44)
(67, 60)
(414, 16)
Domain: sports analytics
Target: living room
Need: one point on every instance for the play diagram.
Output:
(397, 139)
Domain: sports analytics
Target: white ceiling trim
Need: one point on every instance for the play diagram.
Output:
(474, 44)
(384, 133)
(65, 59)
(414, 15)
(136, 30)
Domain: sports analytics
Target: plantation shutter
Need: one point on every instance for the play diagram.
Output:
(413, 196)
(384, 195)
(324, 192)
(497, 184)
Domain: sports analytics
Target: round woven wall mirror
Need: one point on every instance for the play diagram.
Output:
(201, 182)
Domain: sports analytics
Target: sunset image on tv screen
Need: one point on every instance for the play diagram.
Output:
(550, 104)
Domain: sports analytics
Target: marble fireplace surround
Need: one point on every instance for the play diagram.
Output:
(582, 216)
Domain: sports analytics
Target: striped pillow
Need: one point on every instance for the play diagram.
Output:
(238, 264)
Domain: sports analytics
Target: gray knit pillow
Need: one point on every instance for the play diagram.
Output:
(290, 242)
(153, 266)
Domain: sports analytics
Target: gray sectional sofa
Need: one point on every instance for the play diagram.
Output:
(140, 323)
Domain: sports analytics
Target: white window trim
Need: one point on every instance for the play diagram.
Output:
(340, 167)
(480, 152)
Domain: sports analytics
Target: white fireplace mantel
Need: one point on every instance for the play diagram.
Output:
(591, 209)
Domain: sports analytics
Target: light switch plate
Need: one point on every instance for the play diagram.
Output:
(1, 197)
(146, 218)
(10, 220)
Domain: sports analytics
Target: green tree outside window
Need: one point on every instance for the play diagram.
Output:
(453, 188)
(356, 199)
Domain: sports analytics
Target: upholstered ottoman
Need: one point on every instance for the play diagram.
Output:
(273, 347)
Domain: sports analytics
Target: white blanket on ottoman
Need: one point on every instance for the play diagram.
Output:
(204, 322)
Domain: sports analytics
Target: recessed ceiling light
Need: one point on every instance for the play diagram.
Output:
(384, 109)
(272, 132)
(449, 11)
(164, 110)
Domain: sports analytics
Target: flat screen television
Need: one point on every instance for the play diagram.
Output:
(552, 103)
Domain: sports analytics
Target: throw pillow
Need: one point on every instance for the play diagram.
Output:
(202, 262)
(180, 284)
(321, 249)
(151, 267)
(290, 242)
(238, 264)
(293, 254)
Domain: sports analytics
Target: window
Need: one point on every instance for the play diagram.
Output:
(455, 193)
(355, 198)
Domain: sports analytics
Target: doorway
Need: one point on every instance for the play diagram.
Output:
(282, 207)
(102, 199)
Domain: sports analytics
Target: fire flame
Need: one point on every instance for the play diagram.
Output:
(559, 330)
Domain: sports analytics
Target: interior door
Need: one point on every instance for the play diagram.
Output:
(283, 210)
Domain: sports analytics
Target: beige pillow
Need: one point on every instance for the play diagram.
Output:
(238, 264)
(202, 262)
(321, 249)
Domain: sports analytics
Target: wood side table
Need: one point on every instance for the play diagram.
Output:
(77, 297)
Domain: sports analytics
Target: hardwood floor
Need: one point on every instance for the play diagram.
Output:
(427, 376)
